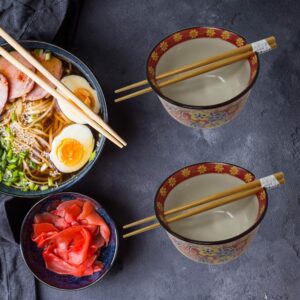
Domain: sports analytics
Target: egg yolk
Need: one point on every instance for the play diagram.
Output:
(85, 96)
(69, 151)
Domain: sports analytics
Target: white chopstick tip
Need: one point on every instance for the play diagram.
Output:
(261, 46)
(269, 182)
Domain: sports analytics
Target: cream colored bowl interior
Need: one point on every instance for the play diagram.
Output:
(220, 223)
(207, 89)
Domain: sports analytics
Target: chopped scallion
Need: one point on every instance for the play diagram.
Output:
(50, 181)
(9, 154)
(14, 116)
(92, 155)
(11, 167)
(47, 55)
(38, 51)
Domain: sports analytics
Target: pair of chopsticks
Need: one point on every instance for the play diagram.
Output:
(210, 202)
(209, 64)
(64, 94)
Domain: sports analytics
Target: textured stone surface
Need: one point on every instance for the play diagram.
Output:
(114, 38)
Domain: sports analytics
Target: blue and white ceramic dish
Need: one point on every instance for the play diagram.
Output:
(33, 255)
(87, 73)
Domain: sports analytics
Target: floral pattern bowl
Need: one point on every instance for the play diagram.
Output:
(218, 235)
(211, 99)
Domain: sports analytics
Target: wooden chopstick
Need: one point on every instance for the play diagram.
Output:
(56, 95)
(232, 191)
(205, 207)
(207, 68)
(271, 40)
(108, 131)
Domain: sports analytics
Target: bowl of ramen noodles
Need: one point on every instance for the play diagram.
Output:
(219, 235)
(211, 99)
(44, 146)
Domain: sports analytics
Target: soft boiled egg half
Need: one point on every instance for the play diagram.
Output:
(72, 148)
(82, 89)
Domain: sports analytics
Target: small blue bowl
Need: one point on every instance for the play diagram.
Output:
(88, 74)
(33, 255)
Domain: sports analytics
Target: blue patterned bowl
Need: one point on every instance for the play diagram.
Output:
(33, 255)
(87, 73)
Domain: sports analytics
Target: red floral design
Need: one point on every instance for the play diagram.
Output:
(219, 253)
(198, 32)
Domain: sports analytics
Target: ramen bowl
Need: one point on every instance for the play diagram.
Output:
(219, 235)
(211, 99)
(84, 71)
(33, 257)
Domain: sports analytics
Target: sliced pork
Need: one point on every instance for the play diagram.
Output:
(3, 91)
(55, 67)
(19, 83)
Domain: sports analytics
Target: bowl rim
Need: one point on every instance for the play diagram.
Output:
(218, 242)
(98, 206)
(85, 169)
(200, 107)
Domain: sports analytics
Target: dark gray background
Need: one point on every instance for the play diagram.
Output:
(114, 39)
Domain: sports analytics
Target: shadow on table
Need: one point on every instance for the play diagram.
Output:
(16, 209)
(118, 214)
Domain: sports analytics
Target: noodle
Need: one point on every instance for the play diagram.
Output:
(27, 131)
(34, 126)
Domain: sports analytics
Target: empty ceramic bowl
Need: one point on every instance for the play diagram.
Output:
(33, 255)
(211, 99)
(219, 235)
